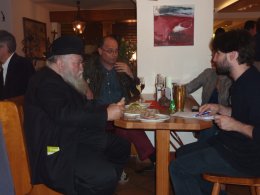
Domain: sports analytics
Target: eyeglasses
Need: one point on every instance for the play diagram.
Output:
(111, 51)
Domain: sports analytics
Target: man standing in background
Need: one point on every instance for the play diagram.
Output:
(250, 26)
(15, 71)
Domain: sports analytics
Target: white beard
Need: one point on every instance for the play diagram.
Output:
(77, 82)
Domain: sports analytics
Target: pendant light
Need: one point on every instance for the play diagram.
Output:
(78, 25)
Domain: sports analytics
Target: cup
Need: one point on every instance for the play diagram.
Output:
(142, 83)
(179, 94)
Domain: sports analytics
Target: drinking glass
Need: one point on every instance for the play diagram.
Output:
(142, 83)
(159, 82)
(179, 97)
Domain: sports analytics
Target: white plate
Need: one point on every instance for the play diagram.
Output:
(131, 116)
(162, 117)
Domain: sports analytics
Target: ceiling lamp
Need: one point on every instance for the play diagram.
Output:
(78, 25)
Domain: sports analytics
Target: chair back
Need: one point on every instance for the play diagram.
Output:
(11, 118)
(13, 135)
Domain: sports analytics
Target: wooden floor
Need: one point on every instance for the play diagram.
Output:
(144, 183)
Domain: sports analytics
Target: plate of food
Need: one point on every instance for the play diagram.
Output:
(152, 115)
(154, 118)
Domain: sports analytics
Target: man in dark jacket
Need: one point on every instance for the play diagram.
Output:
(109, 80)
(235, 150)
(68, 148)
(15, 70)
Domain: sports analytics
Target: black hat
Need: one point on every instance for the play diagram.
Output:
(68, 44)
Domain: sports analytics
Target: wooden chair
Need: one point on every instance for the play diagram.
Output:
(253, 183)
(176, 141)
(11, 118)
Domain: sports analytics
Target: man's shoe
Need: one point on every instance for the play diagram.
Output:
(142, 167)
(124, 178)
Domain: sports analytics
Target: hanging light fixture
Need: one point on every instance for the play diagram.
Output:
(78, 25)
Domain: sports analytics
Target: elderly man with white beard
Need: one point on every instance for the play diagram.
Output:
(69, 150)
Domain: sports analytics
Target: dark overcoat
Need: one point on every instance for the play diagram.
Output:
(55, 116)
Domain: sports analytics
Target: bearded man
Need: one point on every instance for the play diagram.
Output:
(69, 150)
(235, 150)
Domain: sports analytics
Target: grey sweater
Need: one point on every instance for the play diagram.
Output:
(208, 80)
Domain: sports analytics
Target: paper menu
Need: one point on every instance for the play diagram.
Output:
(192, 115)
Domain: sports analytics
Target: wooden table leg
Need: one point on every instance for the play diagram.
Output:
(162, 161)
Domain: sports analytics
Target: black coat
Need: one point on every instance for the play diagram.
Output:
(55, 114)
(18, 74)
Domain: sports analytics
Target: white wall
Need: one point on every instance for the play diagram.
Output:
(5, 8)
(15, 10)
(182, 63)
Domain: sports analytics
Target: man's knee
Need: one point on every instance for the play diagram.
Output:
(106, 178)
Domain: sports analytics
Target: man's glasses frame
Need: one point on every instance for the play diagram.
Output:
(110, 51)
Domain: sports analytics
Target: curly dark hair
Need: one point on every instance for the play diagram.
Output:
(236, 40)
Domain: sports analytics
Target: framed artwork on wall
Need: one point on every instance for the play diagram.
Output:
(35, 38)
(173, 25)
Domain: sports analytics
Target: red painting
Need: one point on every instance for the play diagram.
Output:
(173, 25)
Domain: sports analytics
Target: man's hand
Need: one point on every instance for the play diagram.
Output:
(225, 122)
(215, 109)
(228, 123)
(115, 111)
(121, 102)
(123, 67)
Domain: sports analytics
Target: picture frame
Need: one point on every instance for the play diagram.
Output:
(35, 38)
(174, 25)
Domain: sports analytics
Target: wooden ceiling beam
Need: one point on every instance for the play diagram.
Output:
(93, 15)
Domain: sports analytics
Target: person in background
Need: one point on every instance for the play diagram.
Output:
(109, 81)
(69, 149)
(250, 26)
(215, 86)
(219, 31)
(15, 70)
(235, 150)
(257, 45)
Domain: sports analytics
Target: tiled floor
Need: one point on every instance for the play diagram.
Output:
(144, 183)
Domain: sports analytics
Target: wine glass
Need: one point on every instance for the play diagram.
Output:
(142, 83)
(159, 82)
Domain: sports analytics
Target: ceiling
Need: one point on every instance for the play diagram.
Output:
(227, 16)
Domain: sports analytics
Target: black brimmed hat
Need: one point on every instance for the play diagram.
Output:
(68, 44)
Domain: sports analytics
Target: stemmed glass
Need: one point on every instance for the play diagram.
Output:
(159, 81)
(142, 83)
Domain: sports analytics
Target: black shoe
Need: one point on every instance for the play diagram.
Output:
(142, 167)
